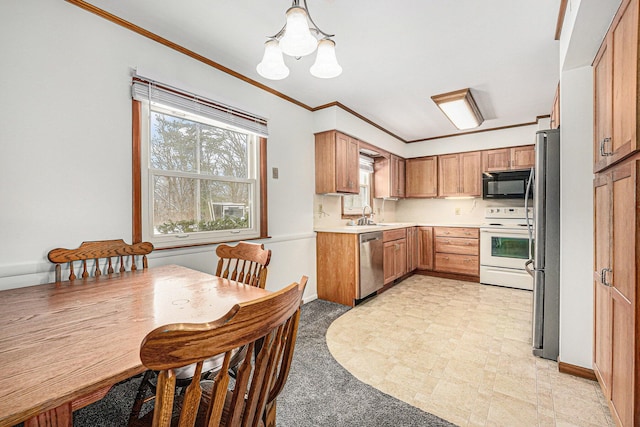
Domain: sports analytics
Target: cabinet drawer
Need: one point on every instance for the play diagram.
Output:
(472, 233)
(388, 235)
(457, 245)
(455, 263)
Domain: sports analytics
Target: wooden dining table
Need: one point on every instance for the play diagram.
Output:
(63, 346)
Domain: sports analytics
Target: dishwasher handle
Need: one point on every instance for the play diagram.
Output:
(369, 237)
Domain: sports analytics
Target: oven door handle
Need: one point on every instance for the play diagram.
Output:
(499, 233)
(526, 267)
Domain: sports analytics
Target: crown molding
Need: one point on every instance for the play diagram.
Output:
(181, 49)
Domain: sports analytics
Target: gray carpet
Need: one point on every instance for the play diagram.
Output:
(319, 392)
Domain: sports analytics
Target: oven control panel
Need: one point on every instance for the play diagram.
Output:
(503, 212)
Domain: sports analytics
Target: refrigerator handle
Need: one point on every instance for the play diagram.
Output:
(526, 211)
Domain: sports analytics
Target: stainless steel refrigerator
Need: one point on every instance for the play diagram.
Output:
(544, 244)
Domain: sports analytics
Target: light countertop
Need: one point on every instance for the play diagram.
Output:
(357, 229)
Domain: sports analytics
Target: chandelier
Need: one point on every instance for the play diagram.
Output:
(299, 37)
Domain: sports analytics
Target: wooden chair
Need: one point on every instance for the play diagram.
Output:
(100, 251)
(245, 262)
(271, 321)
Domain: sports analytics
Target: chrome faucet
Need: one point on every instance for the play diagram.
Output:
(364, 220)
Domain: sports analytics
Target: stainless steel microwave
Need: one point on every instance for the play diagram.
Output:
(505, 185)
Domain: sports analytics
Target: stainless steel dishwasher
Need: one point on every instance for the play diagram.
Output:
(371, 267)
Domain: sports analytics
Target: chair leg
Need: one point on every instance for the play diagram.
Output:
(145, 385)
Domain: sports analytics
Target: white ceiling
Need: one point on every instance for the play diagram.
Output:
(395, 55)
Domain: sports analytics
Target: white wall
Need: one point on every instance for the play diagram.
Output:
(576, 216)
(65, 162)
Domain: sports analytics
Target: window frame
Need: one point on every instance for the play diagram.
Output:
(141, 186)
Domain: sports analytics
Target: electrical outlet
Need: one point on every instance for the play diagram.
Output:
(275, 173)
(320, 208)
(457, 211)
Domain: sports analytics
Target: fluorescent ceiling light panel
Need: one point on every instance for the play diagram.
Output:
(460, 108)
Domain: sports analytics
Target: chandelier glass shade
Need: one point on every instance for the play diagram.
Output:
(299, 37)
(272, 65)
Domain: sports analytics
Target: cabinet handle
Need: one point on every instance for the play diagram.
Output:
(604, 153)
(603, 276)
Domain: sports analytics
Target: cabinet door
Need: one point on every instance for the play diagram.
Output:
(523, 157)
(448, 175)
(347, 164)
(422, 177)
(470, 174)
(425, 248)
(602, 106)
(624, 36)
(623, 292)
(496, 160)
(601, 291)
(401, 257)
(397, 176)
(624, 198)
(389, 261)
(412, 249)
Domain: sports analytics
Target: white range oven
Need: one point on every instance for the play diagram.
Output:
(504, 248)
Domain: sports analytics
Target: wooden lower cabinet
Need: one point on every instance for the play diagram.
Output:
(457, 250)
(338, 267)
(616, 356)
(395, 254)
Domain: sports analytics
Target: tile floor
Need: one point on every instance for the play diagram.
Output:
(462, 351)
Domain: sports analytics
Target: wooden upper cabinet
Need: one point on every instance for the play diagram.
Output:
(460, 174)
(511, 158)
(555, 110)
(422, 177)
(337, 163)
(616, 89)
(389, 176)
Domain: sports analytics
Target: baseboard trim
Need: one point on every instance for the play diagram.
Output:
(576, 371)
(452, 276)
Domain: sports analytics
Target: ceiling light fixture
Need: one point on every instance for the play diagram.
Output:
(299, 37)
(460, 108)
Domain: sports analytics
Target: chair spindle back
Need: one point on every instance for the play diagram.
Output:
(246, 263)
(100, 251)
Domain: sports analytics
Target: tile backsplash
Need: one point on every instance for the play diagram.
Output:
(328, 210)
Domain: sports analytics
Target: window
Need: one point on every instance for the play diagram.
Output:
(353, 205)
(201, 179)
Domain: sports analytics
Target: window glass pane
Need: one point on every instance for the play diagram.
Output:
(354, 204)
(179, 144)
(173, 143)
(223, 152)
(187, 205)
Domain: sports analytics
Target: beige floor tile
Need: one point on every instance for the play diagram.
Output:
(461, 351)
(510, 411)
